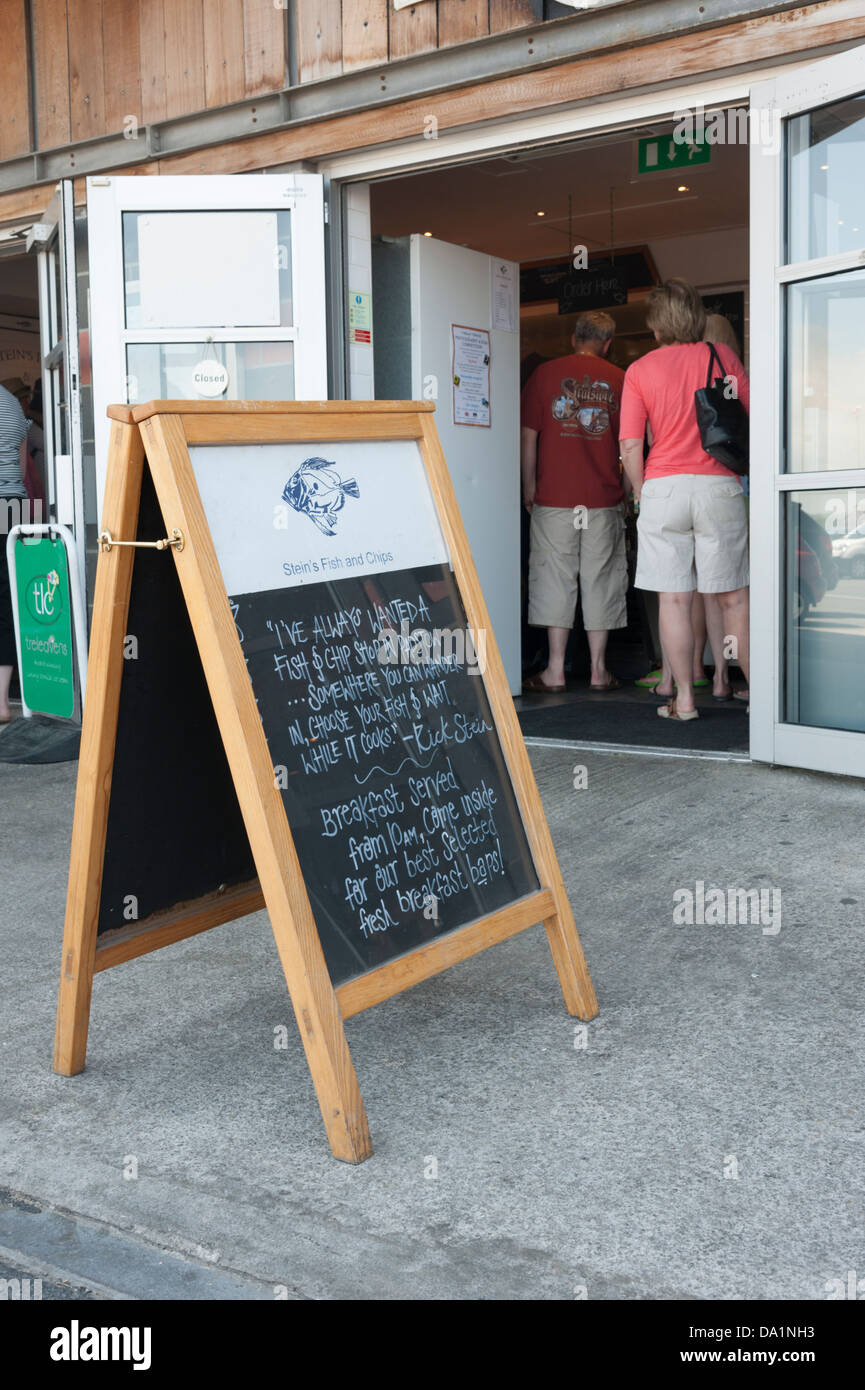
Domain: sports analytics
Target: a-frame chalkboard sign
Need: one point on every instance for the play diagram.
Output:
(295, 701)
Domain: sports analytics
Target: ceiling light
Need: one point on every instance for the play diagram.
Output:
(427, 233)
(542, 213)
(824, 166)
(683, 188)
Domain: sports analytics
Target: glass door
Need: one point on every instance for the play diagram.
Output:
(205, 288)
(53, 240)
(808, 417)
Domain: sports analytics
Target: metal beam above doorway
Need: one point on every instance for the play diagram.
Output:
(521, 51)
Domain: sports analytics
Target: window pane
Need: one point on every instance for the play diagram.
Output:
(826, 187)
(825, 609)
(826, 373)
(207, 269)
(166, 371)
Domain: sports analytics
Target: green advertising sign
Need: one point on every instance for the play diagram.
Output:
(661, 152)
(45, 626)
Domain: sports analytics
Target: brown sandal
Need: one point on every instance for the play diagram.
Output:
(669, 711)
(535, 686)
(612, 684)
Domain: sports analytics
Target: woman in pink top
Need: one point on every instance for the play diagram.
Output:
(692, 527)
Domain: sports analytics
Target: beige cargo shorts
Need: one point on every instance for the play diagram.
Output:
(692, 533)
(575, 549)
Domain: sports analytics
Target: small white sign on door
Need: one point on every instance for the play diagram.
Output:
(208, 269)
(210, 378)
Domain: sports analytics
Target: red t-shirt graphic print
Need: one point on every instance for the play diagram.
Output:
(573, 404)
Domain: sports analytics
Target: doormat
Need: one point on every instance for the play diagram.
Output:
(633, 721)
(39, 740)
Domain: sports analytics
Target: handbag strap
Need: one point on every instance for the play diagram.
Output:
(713, 357)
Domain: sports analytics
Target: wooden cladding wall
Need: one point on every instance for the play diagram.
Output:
(335, 36)
(15, 132)
(88, 68)
(97, 67)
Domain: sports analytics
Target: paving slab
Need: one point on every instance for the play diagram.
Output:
(702, 1139)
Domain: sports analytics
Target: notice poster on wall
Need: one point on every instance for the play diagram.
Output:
(471, 375)
(359, 317)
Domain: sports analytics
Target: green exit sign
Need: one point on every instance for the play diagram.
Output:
(661, 152)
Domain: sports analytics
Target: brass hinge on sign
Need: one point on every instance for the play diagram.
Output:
(175, 540)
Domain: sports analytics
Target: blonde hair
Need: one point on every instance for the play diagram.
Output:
(676, 313)
(720, 330)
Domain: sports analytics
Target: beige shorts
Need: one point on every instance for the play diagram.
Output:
(692, 533)
(565, 556)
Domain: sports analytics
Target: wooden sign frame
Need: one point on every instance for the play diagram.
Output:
(160, 433)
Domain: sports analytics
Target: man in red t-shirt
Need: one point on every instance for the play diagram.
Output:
(572, 485)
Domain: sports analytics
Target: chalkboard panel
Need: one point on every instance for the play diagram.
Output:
(391, 772)
(175, 832)
(384, 747)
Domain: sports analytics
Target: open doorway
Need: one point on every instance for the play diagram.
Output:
(23, 498)
(21, 362)
(629, 207)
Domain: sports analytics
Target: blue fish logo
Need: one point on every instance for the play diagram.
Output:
(317, 490)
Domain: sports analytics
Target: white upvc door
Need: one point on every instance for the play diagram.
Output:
(453, 286)
(808, 417)
(205, 287)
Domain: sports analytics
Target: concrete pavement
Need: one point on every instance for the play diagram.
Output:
(703, 1138)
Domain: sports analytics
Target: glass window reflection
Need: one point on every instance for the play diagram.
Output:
(825, 609)
(165, 371)
(826, 202)
(826, 373)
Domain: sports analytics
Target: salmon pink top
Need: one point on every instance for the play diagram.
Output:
(659, 388)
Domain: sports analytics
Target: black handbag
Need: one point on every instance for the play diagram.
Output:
(722, 420)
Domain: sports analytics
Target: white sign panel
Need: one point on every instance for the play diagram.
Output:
(471, 375)
(287, 514)
(208, 269)
(503, 295)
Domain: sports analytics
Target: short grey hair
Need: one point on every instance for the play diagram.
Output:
(594, 326)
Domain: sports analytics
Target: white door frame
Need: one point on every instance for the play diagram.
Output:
(772, 740)
(109, 198)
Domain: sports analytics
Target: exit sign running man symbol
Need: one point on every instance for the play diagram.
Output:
(661, 152)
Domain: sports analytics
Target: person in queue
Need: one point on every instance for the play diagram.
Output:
(692, 526)
(572, 486)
